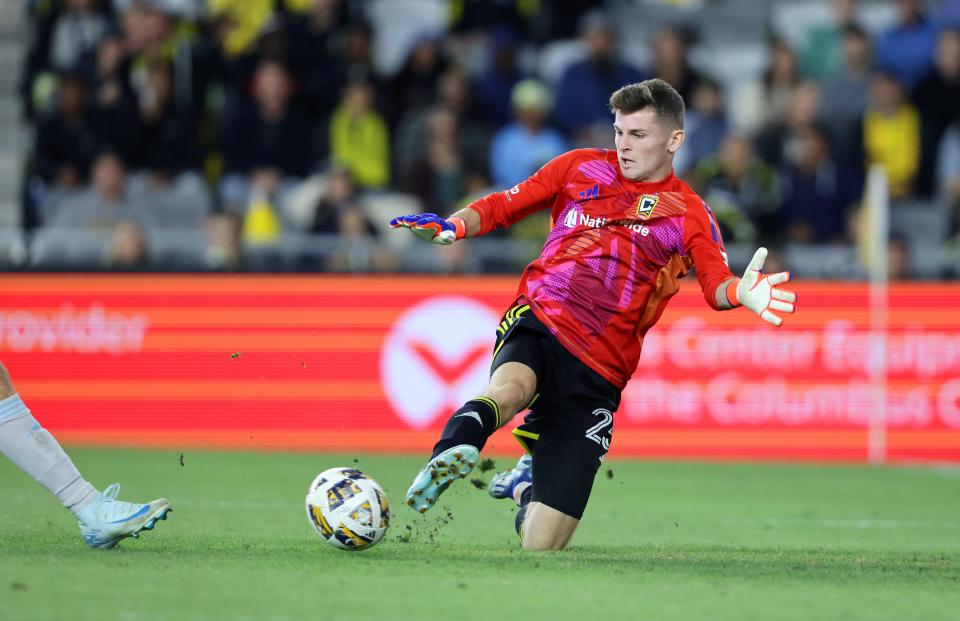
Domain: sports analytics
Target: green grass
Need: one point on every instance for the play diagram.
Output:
(659, 541)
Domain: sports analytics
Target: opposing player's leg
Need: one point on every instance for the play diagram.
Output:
(517, 362)
(103, 520)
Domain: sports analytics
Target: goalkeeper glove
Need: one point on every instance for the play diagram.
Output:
(759, 292)
(431, 227)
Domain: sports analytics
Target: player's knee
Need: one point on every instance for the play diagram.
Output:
(535, 543)
(511, 396)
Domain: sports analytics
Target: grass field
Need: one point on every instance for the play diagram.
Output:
(659, 541)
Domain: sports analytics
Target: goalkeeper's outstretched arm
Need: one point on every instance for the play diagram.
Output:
(497, 210)
(755, 290)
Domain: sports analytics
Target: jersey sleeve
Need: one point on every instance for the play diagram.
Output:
(501, 209)
(703, 243)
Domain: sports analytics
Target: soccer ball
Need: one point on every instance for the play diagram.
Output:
(347, 508)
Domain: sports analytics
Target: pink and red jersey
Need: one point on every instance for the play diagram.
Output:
(613, 256)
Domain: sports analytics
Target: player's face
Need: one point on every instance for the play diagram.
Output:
(645, 147)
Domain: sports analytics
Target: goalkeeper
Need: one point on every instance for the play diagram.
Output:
(624, 229)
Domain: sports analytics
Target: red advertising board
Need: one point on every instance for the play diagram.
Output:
(377, 363)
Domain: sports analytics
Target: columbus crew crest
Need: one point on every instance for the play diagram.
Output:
(646, 204)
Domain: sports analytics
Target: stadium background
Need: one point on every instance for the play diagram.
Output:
(236, 140)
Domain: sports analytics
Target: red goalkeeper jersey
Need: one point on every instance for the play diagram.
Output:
(615, 251)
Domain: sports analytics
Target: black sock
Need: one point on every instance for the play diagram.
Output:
(525, 497)
(472, 424)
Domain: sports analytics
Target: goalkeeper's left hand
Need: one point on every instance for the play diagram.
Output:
(759, 293)
(431, 227)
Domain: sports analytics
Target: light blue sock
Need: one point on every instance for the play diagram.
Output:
(36, 452)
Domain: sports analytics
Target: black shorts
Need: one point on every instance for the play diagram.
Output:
(568, 428)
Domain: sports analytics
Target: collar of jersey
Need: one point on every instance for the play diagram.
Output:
(652, 187)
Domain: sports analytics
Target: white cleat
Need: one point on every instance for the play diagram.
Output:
(106, 521)
(504, 484)
(434, 478)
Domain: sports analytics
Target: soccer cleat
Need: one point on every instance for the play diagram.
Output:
(434, 479)
(503, 484)
(106, 521)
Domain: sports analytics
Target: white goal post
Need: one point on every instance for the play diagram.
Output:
(877, 205)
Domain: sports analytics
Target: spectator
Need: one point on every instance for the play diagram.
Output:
(891, 134)
(948, 188)
(243, 20)
(494, 86)
(113, 104)
(763, 103)
(358, 137)
(358, 54)
(455, 96)
(438, 175)
(359, 249)
(414, 86)
(584, 89)
(706, 126)
(518, 150)
(128, 248)
(271, 44)
(224, 248)
(948, 14)
(907, 49)
(455, 259)
(168, 142)
(899, 265)
(775, 142)
(66, 142)
(315, 43)
(670, 61)
(822, 54)
(937, 98)
(339, 195)
(108, 202)
(816, 194)
(742, 190)
(948, 170)
(266, 144)
(845, 94)
(76, 33)
(153, 35)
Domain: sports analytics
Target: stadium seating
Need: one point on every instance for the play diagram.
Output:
(830, 262)
(53, 248)
(13, 248)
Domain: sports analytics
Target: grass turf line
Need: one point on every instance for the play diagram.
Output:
(659, 540)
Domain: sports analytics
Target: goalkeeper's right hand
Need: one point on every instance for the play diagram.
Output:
(431, 227)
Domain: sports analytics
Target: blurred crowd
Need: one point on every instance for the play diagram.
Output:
(283, 134)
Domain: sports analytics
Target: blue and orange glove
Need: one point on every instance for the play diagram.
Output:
(431, 227)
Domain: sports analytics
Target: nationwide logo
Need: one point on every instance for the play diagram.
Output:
(646, 204)
(436, 357)
(576, 218)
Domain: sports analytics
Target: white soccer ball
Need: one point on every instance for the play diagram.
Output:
(348, 509)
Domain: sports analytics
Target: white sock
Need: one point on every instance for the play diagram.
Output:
(518, 491)
(36, 452)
